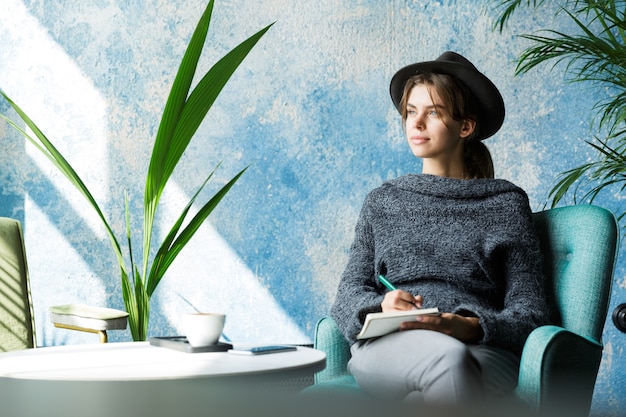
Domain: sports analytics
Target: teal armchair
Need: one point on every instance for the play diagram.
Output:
(559, 363)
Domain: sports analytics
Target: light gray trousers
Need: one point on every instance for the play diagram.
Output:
(428, 366)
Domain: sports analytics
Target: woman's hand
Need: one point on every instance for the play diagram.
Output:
(401, 300)
(465, 329)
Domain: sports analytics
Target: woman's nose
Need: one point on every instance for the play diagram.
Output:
(418, 122)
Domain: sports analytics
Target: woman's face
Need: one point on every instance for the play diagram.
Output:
(431, 132)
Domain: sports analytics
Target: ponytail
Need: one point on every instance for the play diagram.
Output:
(477, 159)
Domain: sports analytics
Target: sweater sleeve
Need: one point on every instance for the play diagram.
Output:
(358, 293)
(524, 305)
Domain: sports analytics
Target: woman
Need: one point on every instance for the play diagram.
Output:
(453, 238)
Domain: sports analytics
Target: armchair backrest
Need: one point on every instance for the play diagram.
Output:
(579, 245)
(17, 330)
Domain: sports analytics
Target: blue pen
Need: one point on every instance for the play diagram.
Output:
(390, 286)
(386, 283)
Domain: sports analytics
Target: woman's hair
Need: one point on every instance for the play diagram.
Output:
(460, 103)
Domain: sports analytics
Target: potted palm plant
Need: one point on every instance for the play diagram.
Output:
(184, 111)
(596, 54)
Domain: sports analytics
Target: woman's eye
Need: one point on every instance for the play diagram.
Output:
(433, 113)
(410, 112)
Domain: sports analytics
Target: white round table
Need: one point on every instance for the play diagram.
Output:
(140, 361)
(138, 379)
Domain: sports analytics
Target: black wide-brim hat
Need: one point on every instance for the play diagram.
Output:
(488, 98)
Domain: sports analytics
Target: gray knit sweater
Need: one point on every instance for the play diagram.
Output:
(467, 246)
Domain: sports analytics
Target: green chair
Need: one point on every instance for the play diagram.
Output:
(17, 326)
(559, 363)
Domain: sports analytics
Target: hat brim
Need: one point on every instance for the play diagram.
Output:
(486, 93)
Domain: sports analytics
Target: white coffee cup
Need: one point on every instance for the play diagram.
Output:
(203, 329)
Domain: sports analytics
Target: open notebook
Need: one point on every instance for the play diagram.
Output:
(380, 324)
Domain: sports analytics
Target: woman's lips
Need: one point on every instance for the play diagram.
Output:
(418, 140)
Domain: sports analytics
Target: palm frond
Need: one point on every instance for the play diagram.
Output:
(130, 304)
(202, 98)
(193, 112)
(172, 251)
(566, 181)
(158, 269)
(142, 302)
(597, 55)
(608, 171)
(156, 178)
(509, 7)
(43, 144)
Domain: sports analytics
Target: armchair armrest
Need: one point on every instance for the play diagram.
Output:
(335, 378)
(329, 339)
(88, 319)
(558, 371)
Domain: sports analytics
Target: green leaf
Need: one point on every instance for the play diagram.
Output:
(509, 7)
(167, 254)
(155, 181)
(46, 147)
(167, 242)
(202, 98)
(171, 149)
(143, 308)
(568, 179)
(182, 82)
(130, 303)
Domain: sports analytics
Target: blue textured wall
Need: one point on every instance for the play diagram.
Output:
(310, 109)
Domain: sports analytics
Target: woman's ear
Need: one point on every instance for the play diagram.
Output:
(467, 127)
